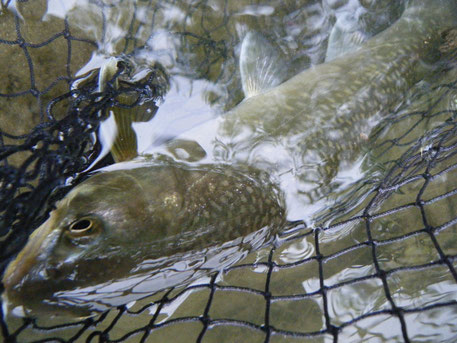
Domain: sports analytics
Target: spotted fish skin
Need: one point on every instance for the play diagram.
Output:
(327, 107)
(144, 212)
(313, 125)
(117, 218)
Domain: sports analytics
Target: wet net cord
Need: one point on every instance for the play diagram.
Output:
(15, 176)
(76, 151)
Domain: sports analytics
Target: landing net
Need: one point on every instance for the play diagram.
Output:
(317, 285)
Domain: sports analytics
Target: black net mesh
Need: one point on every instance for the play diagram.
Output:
(380, 263)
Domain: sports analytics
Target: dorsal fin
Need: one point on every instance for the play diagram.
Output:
(261, 65)
(342, 41)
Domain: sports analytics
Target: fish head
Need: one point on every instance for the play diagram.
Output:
(95, 234)
(112, 222)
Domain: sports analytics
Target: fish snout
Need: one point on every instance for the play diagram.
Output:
(30, 264)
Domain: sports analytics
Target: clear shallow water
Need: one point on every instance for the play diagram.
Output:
(299, 312)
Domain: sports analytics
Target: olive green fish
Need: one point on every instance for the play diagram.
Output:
(226, 178)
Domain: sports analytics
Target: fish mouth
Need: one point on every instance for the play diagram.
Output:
(29, 263)
(13, 307)
(27, 280)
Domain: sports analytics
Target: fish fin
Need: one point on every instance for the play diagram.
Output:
(125, 145)
(107, 72)
(342, 41)
(261, 65)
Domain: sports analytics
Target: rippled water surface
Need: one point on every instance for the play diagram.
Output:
(366, 250)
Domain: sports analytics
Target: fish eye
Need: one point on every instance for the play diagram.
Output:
(84, 227)
(81, 225)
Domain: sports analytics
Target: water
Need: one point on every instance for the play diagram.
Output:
(204, 81)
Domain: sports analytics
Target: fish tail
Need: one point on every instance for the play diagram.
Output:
(130, 107)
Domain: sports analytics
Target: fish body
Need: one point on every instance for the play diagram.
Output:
(234, 170)
(308, 128)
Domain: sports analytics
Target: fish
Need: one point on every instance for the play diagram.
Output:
(356, 22)
(243, 171)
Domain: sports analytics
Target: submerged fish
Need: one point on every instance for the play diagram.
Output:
(227, 177)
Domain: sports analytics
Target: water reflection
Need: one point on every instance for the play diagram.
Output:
(149, 277)
(308, 151)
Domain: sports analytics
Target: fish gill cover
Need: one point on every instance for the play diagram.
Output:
(377, 263)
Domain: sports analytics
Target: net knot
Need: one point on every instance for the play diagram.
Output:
(381, 274)
(21, 42)
(34, 92)
(429, 229)
(426, 175)
(205, 320)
